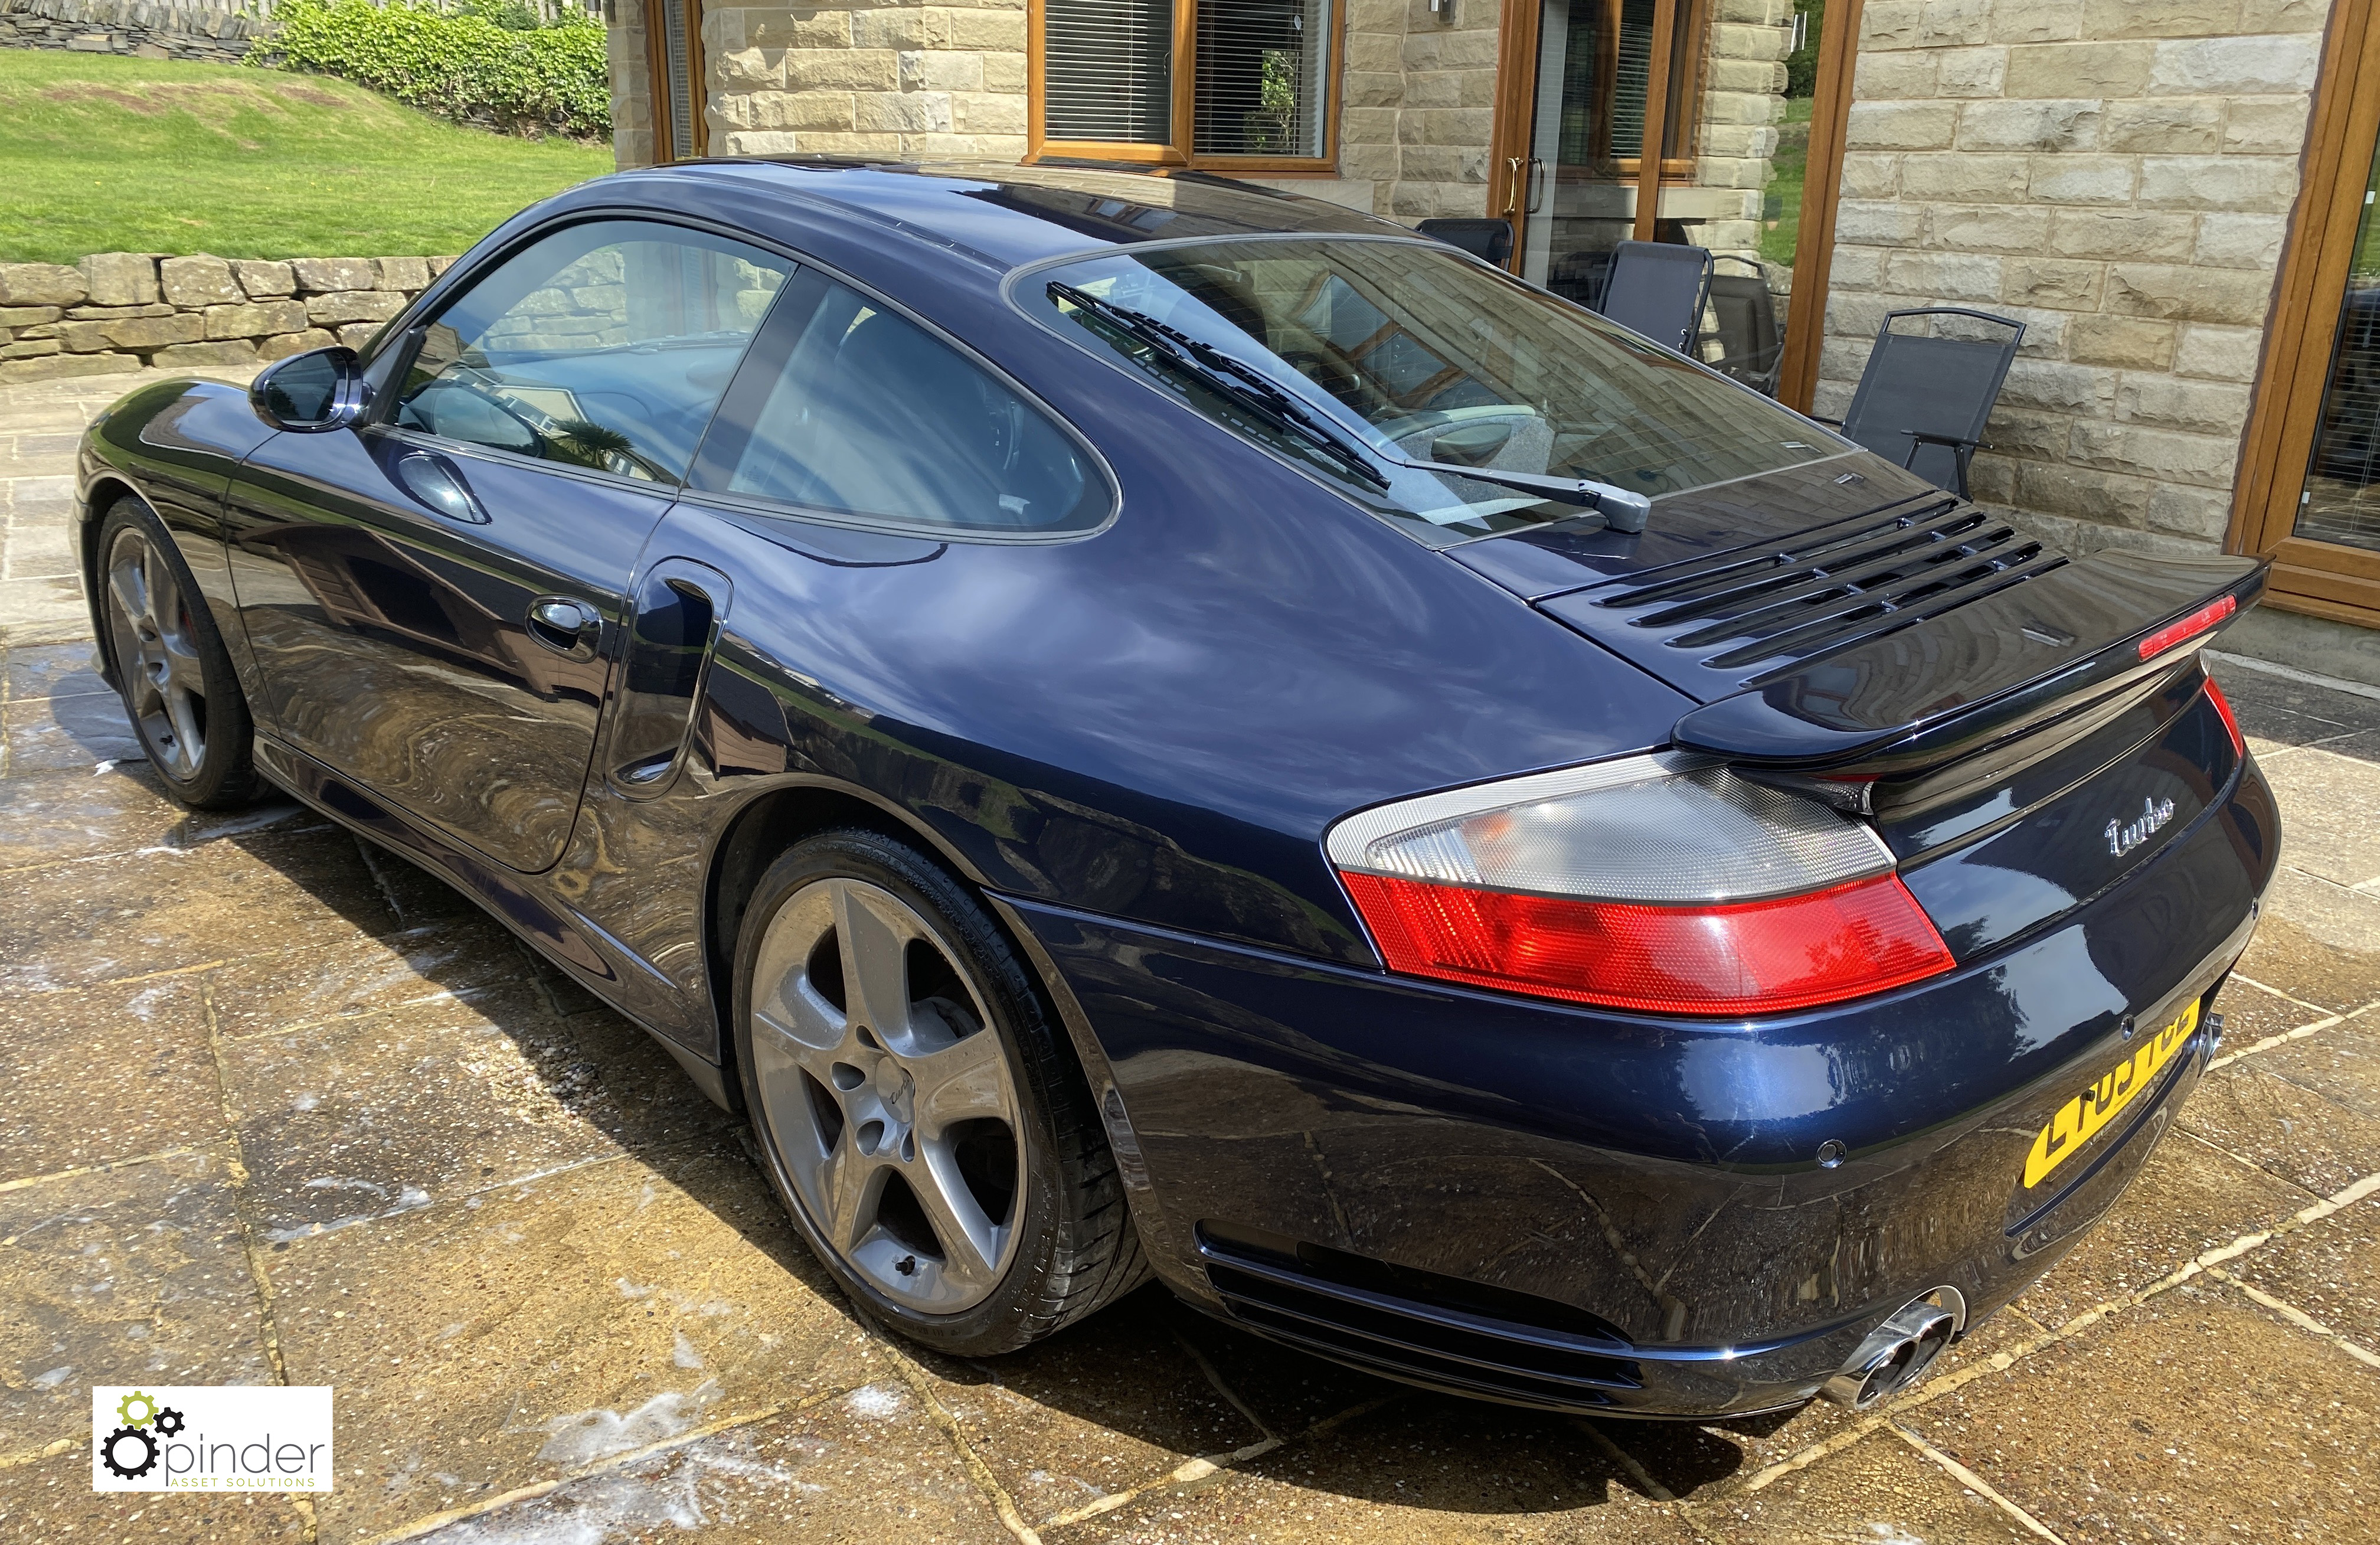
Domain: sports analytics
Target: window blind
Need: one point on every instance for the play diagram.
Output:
(1107, 70)
(1632, 81)
(674, 106)
(1262, 81)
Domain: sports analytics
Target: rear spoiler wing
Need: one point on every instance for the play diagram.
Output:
(1969, 677)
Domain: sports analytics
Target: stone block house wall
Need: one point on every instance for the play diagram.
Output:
(2118, 176)
(1417, 103)
(1418, 107)
(908, 79)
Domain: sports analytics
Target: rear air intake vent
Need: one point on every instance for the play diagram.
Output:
(1417, 1326)
(1827, 589)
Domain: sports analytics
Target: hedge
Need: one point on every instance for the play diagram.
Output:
(464, 66)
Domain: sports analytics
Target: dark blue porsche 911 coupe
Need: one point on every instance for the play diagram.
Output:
(1141, 726)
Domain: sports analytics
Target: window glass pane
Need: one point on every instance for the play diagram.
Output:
(1631, 43)
(1734, 147)
(1262, 84)
(871, 415)
(1107, 70)
(2342, 491)
(1579, 200)
(1406, 349)
(604, 345)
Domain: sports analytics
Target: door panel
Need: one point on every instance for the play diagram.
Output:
(394, 639)
(435, 601)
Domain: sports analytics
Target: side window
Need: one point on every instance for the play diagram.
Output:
(848, 408)
(605, 345)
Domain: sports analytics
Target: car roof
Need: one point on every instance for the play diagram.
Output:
(1009, 215)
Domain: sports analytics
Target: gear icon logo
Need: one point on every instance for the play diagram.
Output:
(169, 1421)
(148, 1409)
(121, 1445)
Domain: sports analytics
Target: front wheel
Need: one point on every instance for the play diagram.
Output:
(925, 1121)
(178, 686)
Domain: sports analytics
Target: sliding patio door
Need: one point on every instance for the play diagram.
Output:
(1645, 120)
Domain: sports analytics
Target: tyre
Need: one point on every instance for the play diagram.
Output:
(922, 1113)
(177, 683)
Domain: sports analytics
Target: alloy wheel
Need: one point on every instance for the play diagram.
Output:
(157, 654)
(888, 1095)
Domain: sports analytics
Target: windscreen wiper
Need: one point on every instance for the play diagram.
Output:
(1253, 391)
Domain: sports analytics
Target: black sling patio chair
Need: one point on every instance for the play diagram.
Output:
(1489, 240)
(1657, 288)
(1925, 398)
(1745, 317)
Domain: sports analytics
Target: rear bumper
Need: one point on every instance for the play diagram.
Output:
(1579, 1210)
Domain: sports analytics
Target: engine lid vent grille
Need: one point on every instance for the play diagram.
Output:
(1753, 615)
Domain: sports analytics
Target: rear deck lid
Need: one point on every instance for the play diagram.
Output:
(1862, 627)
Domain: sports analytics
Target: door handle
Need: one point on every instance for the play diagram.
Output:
(430, 479)
(1514, 177)
(565, 625)
(1537, 184)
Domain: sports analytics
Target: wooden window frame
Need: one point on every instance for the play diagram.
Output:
(1659, 110)
(1518, 52)
(2321, 579)
(1179, 151)
(657, 78)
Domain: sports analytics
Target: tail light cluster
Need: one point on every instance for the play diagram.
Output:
(1662, 882)
(2230, 719)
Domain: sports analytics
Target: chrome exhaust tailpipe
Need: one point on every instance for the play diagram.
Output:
(1897, 1353)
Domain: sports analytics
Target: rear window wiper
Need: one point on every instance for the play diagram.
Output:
(1244, 387)
(1254, 393)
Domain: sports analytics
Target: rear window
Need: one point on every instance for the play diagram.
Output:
(1410, 350)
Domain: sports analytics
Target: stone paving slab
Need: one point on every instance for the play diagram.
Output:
(1884, 1479)
(288, 1110)
(2194, 1415)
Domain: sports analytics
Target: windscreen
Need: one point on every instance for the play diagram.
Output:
(1408, 351)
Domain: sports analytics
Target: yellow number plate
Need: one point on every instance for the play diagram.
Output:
(2087, 1114)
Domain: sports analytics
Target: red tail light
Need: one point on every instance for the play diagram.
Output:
(2231, 721)
(1755, 958)
(1658, 883)
(2187, 627)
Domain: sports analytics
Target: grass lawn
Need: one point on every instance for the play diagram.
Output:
(100, 154)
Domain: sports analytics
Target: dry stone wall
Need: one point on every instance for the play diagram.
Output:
(216, 34)
(118, 312)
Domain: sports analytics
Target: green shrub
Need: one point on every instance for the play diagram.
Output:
(476, 65)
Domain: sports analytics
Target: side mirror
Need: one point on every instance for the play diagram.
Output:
(307, 394)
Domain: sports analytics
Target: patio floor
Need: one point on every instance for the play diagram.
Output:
(283, 1109)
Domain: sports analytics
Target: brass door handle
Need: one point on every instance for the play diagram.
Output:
(1516, 173)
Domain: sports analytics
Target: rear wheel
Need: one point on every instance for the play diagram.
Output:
(176, 679)
(925, 1121)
